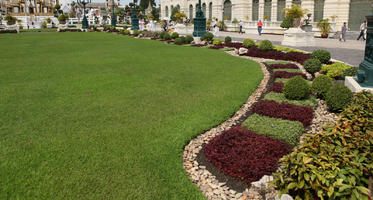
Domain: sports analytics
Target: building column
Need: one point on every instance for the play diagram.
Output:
(239, 11)
(310, 6)
(249, 10)
(288, 3)
(274, 11)
(261, 10)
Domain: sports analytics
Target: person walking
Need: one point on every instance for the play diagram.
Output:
(260, 25)
(241, 24)
(216, 30)
(362, 30)
(343, 32)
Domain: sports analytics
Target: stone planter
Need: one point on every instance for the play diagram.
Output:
(307, 28)
(297, 37)
(295, 22)
(10, 23)
(324, 35)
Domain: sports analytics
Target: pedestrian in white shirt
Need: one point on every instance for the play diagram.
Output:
(362, 30)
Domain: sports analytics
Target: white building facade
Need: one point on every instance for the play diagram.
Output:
(271, 11)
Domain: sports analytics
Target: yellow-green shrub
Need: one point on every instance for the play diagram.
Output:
(336, 70)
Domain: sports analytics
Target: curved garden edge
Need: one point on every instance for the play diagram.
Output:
(205, 180)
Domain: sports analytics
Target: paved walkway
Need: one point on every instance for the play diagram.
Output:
(351, 51)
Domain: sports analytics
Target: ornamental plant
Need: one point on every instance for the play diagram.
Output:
(265, 45)
(303, 114)
(174, 35)
(127, 32)
(217, 41)
(296, 88)
(189, 39)
(166, 36)
(338, 97)
(321, 85)
(178, 41)
(335, 163)
(283, 66)
(338, 70)
(284, 74)
(207, 37)
(245, 155)
(286, 23)
(312, 65)
(322, 55)
(227, 39)
(277, 87)
(248, 43)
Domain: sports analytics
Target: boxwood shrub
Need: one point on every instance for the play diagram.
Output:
(207, 37)
(296, 89)
(248, 43)
(321, 85)
(265, 45)
(338, 97)
(227, 39)
(285, 130)
(322, 55)
(174, 35)
(189, 39)
(178, 41)
(312, 65)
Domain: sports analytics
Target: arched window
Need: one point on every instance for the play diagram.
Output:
(204, 9)
(255, 10)
(280, 7)
(178, 7)
(267, 9)
(191, 11)
(172, 7)
(227, 10)
(318, 12)
(210, 10)
(166, 9)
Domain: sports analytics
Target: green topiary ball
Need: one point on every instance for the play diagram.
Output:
(322, 55)
(166, 36)
(178, 41)
(207, 37)
(189, 39)
(248, 43)
(265, 45)
(312, 65)
(174, 35)
(338, 97)
(182, 39)
(321, 85)
(296, 88)
(228, 39)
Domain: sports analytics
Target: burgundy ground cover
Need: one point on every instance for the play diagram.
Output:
(198, 45)
(236, 45)
(285, 74)
(219, 46)
(244, 154)
(283, 66)
(302, 114)
(277, 87)
(278, 55)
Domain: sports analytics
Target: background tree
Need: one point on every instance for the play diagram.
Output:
(144, 4)
(121, 13)
(155, 13)
(173, 12)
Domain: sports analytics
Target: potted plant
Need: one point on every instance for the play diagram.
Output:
(324, 26)
(295, 13)
(10, 19)
(235, 22)
(307, 25)
(63, 18)
(265, 17)
(179, 17)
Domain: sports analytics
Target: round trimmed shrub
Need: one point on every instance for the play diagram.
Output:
(161, 35)
(322, 55)
(182, 39)
(312, 65)
(174, 35)
(265, 45)
(127, 32)
(207, 37)
(136, 32)
(178, 41)
(338, 97)
(166, 36)
(248, 43)
(321, 85)
(189, 39)
(296, 88)
(227, 39)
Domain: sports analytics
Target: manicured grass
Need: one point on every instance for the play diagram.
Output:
(39, 30)
(277, 62)
(285, 130)
(287, 70)
(103, 116)
(280, 97)
(282, 80)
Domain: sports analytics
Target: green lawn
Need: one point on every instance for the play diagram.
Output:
(104, 116)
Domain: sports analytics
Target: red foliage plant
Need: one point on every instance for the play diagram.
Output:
(302, 114)
(285, 74)
(219, 46)
(278, 55)
(236, 45)
(245, 155)
(283, 66)
(277, 87)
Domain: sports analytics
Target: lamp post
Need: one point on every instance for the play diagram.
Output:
(134, 18)
(113, 17)
(85, 21)
(222, 21)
